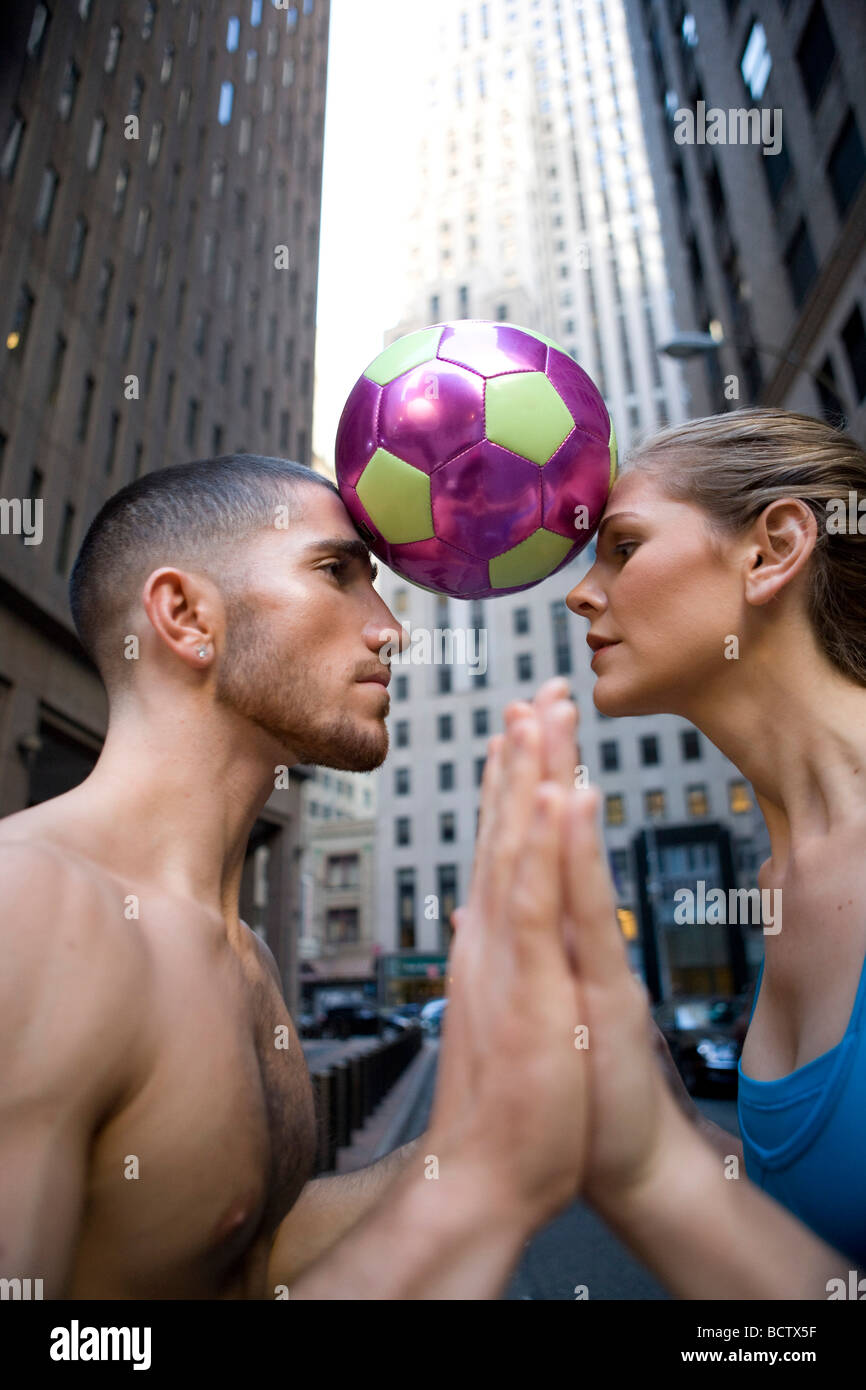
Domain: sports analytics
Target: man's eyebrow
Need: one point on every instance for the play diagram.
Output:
(339, 545)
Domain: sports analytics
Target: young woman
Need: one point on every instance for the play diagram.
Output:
(729, 588)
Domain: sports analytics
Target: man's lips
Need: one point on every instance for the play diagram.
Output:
(378, 677)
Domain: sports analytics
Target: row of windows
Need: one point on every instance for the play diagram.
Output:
(447, 828)
(649, 750)
(697, 803)
(446, 777)
(446, 892)
(444, 727)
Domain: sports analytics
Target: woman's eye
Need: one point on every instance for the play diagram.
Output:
(624, 545)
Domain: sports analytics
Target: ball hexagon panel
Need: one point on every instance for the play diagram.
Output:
(396, 497)
(357, 440)
(579, 393)
(436, 564)
(525, 414)
(486, 500)
(492, 348)
(576, 476)
(431, 412)
(406, 352)
(530, 561)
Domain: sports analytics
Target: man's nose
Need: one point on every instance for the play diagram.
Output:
(388, 633)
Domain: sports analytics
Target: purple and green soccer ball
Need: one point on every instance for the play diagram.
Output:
(475, 458)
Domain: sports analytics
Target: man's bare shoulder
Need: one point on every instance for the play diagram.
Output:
(71, 964)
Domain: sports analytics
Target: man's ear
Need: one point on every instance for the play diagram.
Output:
(185, 613)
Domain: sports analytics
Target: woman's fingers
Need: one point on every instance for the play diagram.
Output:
(589, 898)
(521, 773)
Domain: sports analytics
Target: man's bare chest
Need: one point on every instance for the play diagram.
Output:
(213, 1148)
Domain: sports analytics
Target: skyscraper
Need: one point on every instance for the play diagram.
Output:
(160, 182)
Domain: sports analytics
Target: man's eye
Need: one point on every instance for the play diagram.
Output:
(337, 569)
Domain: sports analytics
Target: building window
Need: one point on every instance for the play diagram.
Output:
(755, 63)
(142, 227)
(816, 53)
(402, 831)
(609, 753)
(227, 97)
(285, 428)
(445, 727)
(17, 335)
(111, 447)
(831, 406)
(847, 164)
(479, 765)
(84, 408)
(854, 339)
(251, 65)
(654, 805)
(155, 144)
(800, 263)
(12, 144)
(446, 777)
(619, 871)
(94, 147)
(342, 925)
(443, 681)
(446, 888)
(245, 135)
(447, 827)
(690, 745)
(60, 345)
(401, 733)
(406, 909)
(524, 666)
(401, 687)
(76, 247)
(103, 290)
(520, 619)
(45, 200)
(167, 65)
(112, 52)
(697, 801)
(121, 184)
(64, 543)
(342, 871)
(68, 88)
(401, 781)
(148, 20)
(649, 750)
(192, 413)
(561, 639)
(614, 809)
(480, 723)
(232, 34)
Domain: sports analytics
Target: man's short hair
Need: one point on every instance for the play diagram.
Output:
(185, 515)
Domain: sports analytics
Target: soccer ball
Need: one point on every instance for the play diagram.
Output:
(475, 458)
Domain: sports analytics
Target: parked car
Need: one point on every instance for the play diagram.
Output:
(432, 1014)
(351, 1020)
(705, 1041)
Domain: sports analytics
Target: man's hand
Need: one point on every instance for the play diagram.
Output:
(511, 1091)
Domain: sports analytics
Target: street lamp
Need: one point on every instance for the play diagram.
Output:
(691, 344)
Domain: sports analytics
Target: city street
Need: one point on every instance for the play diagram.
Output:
(576, 1248)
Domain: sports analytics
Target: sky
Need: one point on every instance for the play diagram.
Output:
(370, 128)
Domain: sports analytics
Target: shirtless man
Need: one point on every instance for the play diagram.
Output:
(155, 1142)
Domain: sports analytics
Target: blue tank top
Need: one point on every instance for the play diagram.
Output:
(804, 1136)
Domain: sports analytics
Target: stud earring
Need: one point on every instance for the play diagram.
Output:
(202, 651)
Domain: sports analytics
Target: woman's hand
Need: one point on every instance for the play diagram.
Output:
(511, 1096)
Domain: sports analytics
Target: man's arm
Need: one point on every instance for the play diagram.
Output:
(65, 1015)
(329, 1207)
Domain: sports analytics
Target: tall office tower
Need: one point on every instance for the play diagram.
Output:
(160, 183)
(756, 128)
(533, 203)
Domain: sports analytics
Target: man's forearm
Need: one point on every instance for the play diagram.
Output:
(706, 1235)
(329, 1207)
(450, 1237)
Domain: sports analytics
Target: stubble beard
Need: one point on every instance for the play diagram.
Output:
(287, 706)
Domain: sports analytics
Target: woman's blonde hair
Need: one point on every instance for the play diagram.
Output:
(734, 465)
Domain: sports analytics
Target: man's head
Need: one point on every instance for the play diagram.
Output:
(243, 580)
